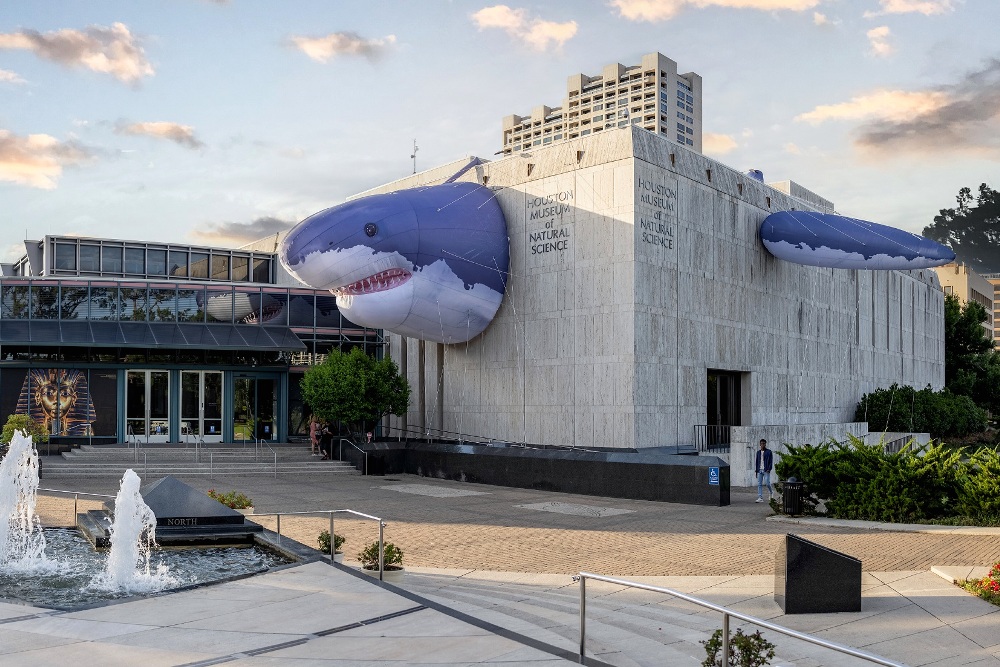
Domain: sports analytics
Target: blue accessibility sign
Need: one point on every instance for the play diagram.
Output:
(713, 476)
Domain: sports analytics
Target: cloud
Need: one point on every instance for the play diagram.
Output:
(663, 10)
(820, 19)
(179, 134)
(878, 39)
(925, 7)
(241, 233)
(961, 118)
(322, 49)
(792, 149)
(38, 159)
(717, 144)
(889, 105)
(101, 49)
(537, 33)
(7, 76)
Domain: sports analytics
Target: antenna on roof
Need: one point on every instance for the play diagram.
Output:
(414, 156)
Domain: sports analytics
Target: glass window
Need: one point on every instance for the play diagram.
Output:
(301, 310)
(219, 306)
(15, 302)
(220, 267)
(680, 138)
(44, 302)
(111, 259)
(327, 314)
(134, 304)
(262, 269)
(241, 269)
(135, 261)
(547, 140)
(199, 265)
(65, 257)
(274, 308)
(103, 303)
(247, 307)
(177, 263)
(90, 258)
(689, 142)
(73, 302)
(156, 262)
(162, 304)
(598, 117)
(189, 305)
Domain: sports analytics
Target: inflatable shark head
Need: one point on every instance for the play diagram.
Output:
(428, 263)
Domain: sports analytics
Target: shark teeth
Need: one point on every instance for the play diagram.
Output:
(379, 282)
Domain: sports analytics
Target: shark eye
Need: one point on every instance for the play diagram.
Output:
(371, 229)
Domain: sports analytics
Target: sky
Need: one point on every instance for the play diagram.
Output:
(219, 122)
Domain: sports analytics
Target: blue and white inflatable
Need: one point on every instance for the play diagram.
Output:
(428, 263)
(835, 241)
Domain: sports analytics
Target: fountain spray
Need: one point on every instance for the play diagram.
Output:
(22, 542)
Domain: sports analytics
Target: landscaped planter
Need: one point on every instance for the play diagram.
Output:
(388, 576)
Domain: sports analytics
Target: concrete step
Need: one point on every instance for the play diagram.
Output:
(624, 627)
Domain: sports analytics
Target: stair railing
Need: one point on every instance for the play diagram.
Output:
(726, 614)
(381, 530)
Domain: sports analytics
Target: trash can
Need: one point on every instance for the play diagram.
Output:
(791, 496)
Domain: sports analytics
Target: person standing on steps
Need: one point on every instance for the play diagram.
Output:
(314, 429)
(763, 463)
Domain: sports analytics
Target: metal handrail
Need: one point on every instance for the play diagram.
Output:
(76, 500)
(726, 613)
(342, 441)
(381, 530)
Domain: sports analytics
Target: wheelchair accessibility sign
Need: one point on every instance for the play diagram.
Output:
(713, 476)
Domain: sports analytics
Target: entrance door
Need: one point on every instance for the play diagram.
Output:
(147, 405)
(201, 405)
(723, 407)
(255, 403)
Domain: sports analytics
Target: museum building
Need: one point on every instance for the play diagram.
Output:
(105, 340)
(642, 310)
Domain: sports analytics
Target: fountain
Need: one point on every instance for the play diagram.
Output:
(22, 542)
(133, 536)
(73, 573)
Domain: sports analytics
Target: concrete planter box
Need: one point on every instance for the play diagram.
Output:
(388, 576)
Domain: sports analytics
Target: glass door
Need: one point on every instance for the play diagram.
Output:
(255, 403)
(201, 405)
(147, 405)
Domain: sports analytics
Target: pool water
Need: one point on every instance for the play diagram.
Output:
(68, 579)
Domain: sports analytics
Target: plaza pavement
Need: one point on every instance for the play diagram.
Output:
(490, 568)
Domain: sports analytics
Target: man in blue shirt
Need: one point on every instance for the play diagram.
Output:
(763, 463)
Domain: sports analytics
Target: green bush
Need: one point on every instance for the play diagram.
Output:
(234, 499)
(744, 650)
(857, 480)
(904, 409)
(25, 425)
(392, 558)
(338, 540)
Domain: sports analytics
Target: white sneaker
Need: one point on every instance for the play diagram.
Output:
(759, 500)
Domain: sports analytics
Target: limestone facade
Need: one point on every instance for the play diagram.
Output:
(635, 271)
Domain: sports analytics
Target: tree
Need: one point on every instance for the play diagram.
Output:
(26, 425)
(973, 232)
(968, 349)
(355, 389)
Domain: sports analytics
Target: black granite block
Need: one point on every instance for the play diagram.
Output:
(642, 475)
(811, 579)
(177, 504)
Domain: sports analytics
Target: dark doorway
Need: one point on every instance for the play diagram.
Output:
(723, 405)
